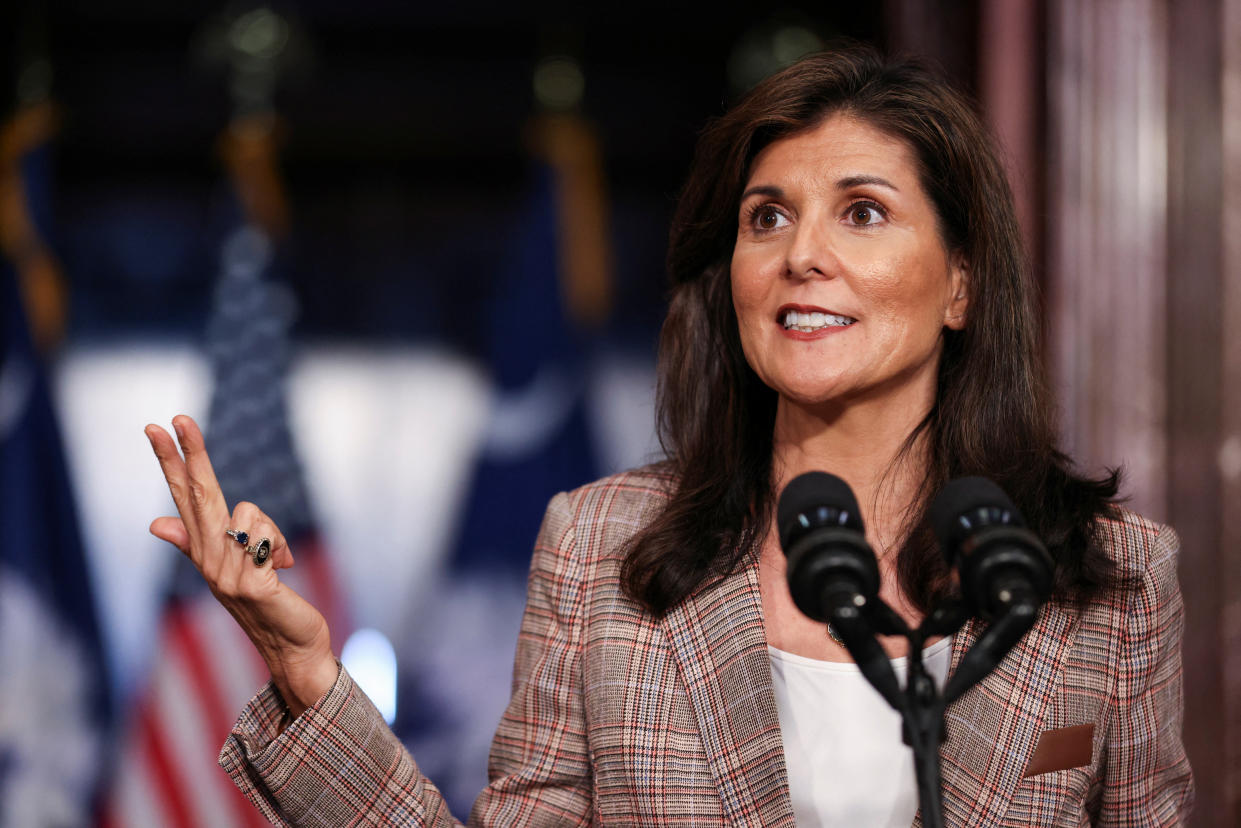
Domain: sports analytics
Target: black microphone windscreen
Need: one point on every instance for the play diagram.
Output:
(963, 495)
(809, 492)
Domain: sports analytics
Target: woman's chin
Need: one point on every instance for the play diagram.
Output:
(819, 400)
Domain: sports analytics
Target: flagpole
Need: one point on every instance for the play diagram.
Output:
(43, 286)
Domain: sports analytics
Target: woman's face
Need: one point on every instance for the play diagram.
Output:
(840, 280)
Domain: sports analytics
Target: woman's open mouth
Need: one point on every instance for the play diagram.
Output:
(808, 322)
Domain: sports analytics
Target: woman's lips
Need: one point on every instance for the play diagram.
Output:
(812, 320)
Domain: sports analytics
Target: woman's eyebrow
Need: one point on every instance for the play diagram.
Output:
(772, 191)
(763, 189)
(861, 180)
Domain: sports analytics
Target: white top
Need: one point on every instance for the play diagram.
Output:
(846, 761)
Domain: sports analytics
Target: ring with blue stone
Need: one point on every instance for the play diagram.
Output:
(260, 552)
(239, 535)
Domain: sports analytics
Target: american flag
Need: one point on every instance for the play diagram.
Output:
(205, 671)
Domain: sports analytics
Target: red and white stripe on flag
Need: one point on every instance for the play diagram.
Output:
(205, 671)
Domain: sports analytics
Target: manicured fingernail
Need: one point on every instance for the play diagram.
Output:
(177, 428)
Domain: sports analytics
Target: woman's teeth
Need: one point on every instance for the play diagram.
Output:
(806, 322)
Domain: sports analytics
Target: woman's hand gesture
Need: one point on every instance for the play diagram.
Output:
(290, 634)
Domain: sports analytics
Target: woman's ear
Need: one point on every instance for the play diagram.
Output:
(958, 299)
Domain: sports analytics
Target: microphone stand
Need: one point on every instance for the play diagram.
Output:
(920, 704)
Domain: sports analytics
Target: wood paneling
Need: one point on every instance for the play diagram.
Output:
(1229, 452)
(1195, 370)
(1107, 255)
(1144, 254)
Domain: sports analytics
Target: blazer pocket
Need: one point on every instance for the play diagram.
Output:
(1067, 747)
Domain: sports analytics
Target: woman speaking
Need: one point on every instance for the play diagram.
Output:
(849, 295)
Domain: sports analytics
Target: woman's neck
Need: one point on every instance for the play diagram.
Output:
(864, 446)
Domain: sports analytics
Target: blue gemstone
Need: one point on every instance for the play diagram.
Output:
(242, 538)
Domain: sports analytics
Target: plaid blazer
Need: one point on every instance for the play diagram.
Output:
(619, 718)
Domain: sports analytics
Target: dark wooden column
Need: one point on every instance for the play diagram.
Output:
(1229, 456)
(1011, 92)
(1144, 210)
(1106, 67)
(1204, 406)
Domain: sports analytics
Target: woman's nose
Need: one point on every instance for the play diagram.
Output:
(810, 253)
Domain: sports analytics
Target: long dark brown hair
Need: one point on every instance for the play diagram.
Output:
(993, 414)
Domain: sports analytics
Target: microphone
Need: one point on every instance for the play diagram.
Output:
(832, 573)
(830, 564)
(1006, 572)
(1002, 563)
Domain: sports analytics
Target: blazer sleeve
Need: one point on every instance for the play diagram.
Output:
(336, 764)
(339, 763)
(1148, 781)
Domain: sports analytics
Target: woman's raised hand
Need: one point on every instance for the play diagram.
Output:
(290, 634)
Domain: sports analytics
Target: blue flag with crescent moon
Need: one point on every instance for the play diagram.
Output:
(538, 442)
(53, 689)
(539, 439)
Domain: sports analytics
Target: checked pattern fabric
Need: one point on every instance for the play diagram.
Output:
(619, 718)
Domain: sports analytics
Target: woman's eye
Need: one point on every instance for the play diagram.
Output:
(768, 217)
(864, 213)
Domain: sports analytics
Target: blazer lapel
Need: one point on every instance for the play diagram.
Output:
(992, 729)
(721, 652)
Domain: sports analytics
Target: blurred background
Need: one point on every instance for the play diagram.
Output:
(403, 262)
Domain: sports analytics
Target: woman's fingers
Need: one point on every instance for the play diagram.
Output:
(290, 634)
(249, 518)
(206, 499)
(175, 473)
(172, 529)
(200, 533)
(286, 629)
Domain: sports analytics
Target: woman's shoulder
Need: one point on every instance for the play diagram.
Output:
(600, 517)
(640, 489)
(1135, 543)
